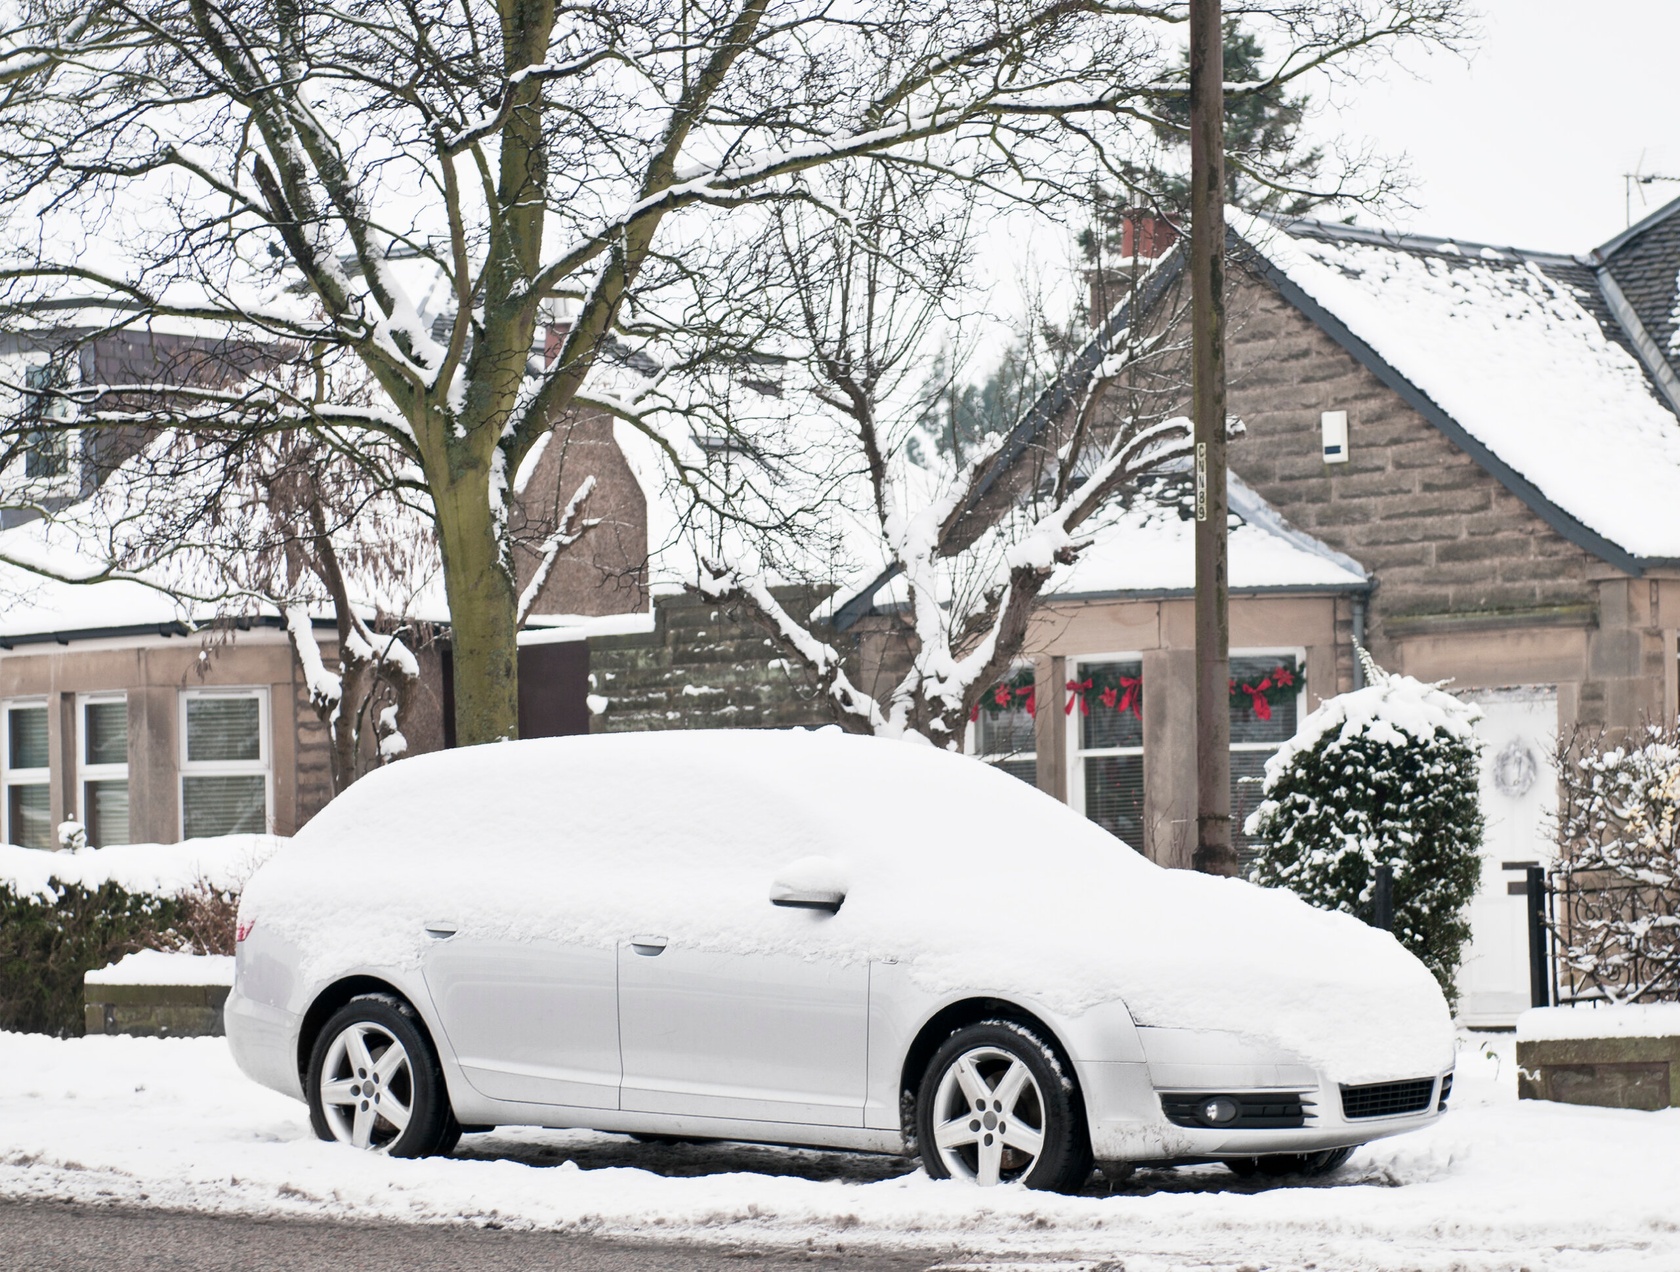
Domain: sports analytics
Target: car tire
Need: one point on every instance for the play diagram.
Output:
(374, 1081)
(996, 1105)
(1281, 1165)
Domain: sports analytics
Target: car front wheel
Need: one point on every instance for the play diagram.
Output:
(375, 1083)
(995, 1106)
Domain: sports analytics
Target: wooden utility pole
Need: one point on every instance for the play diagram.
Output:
(1214, 854)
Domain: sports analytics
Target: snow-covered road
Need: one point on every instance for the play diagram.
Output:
(1496, 1185)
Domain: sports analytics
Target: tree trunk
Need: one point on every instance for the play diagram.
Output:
(483, 611)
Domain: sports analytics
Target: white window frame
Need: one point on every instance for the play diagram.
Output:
(86, 772)
(69, 482)
(263, 764)
(1077, 755)
(1280, 652)
(9, 776)
(971, 738)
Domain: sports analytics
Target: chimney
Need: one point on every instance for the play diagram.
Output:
(1144, 235)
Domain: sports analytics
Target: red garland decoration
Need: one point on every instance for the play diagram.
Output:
(1001, 696)
(1274, 687)
(1262, 695)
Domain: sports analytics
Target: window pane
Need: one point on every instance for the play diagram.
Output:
(46, 455)
(1248, 773)
(105, 730)
(105, 806)
(222, 729)
(1114, 795)
(224, 805)
(1026, 770)
(1101, 725)
(1249, 722)
(27, 747)
(1005, 732)
(29, 816)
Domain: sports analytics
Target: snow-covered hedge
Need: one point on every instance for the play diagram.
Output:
(1386, 775)
(63, 914)
(1619, 865)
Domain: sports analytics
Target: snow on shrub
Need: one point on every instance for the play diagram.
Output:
(66, 913)
(1619, 865)
(1385, 775)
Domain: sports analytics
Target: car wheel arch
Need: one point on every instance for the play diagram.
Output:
(954, 1016)
(336, 995)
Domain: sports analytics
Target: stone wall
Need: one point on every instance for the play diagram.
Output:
(704, 666)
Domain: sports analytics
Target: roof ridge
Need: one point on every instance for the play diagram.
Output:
(1312, 227)
(1604, 251)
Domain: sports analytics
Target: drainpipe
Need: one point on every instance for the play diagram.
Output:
(1359, 599)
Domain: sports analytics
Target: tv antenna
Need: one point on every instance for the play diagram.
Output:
(1641, 179)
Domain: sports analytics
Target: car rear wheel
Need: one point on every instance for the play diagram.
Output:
(995, 1107)
(1279, 1165)
(375, 1083)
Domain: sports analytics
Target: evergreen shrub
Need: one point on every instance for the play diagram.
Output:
(1385, 775)
(48, 942)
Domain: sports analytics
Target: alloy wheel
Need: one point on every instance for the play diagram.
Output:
(988, 1117)
(367, 1087)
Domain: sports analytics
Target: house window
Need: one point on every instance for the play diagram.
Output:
(103, 763)
(1002, 733)
(46, 451)
(1107, 745)
(224, 765)
(27, 776)
(1263, 717)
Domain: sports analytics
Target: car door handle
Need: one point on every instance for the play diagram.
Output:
(440, 929)
(649, 946)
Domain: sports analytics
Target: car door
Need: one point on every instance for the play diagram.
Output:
(535, 1021)
(766, 1037)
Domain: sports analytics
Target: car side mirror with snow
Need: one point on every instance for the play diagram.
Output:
(811, 883)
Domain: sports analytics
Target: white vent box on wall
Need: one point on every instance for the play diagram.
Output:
(1334, 424)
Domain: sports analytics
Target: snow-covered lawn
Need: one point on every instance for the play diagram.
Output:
(1497, 1185)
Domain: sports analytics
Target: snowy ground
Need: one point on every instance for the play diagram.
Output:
(1496, 1185)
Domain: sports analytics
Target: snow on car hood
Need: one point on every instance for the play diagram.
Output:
(973, 879)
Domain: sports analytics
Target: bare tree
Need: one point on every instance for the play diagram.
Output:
(434, 186)
(968, 541)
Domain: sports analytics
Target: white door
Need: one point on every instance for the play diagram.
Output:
(770, 1037)
(1519, 796)
(535, 1021)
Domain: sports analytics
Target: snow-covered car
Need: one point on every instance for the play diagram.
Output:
(809, 938)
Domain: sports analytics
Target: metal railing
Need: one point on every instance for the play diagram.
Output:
(1596, 936)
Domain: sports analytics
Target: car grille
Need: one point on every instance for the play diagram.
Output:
(1387, 1099)
(1268, 1110)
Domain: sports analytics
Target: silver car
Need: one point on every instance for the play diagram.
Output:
(809, 938)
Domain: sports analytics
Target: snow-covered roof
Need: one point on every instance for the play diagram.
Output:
(1520, 357)
(1145, 546)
